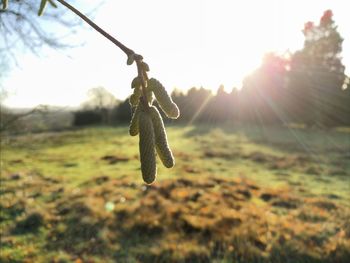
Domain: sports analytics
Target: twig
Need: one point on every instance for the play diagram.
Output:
(129, 52)
(5, 125)
(125, 49)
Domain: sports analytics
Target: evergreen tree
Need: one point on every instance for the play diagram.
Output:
(317, 75)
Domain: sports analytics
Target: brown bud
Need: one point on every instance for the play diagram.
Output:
(136, 83)
(135, 97)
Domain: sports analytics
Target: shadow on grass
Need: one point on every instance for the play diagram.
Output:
(305, 149)
(192, 220)
(283, 138)
(30, 224)
(196, 219)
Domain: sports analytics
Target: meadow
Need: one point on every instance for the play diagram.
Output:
(236, 194)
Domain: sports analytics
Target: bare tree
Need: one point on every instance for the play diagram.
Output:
(22, 29)
(100, 99)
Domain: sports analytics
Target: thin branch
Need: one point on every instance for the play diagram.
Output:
(125, 49)
(129, 52)
(4, 126)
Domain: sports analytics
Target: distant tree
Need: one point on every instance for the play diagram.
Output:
(263, 92)
(87, 117)
(180, 98)
(220, 107)
(197, 104)
(100, 98)
(345, 104)
(317, 76)
(100, 102)
(235, 105)
(122, 112)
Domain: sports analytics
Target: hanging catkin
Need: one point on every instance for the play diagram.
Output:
(164, 100)
(161, 140)
(147, 147)
(134, 123)
(147, 122)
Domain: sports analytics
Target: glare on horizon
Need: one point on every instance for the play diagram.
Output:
(186, 43)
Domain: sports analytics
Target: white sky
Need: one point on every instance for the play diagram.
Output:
(186, 43)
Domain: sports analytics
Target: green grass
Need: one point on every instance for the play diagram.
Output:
(78, 195)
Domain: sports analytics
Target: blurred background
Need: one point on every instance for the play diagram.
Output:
(262, 145)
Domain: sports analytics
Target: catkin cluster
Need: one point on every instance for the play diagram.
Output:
(147, 122)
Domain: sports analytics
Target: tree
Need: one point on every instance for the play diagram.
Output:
(235, 105)
(101, 101)
(22, 28)
(194, 104)
(122, 112)
(220, 107)
(97, 109)
(317, 75)
(263, 92)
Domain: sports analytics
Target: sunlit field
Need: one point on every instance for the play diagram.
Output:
(236, 194)
(174, 132)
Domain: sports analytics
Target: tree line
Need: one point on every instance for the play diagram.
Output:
(307, 87)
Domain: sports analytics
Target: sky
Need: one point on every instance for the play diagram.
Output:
(186, 43)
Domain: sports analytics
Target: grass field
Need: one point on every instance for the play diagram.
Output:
(236, 194)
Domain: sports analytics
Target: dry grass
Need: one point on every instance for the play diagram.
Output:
(248, 203)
